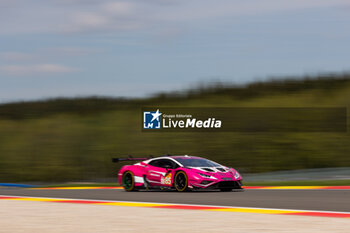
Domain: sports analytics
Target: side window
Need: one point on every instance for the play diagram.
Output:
(163, 163)
(167, 162)
(173, 164)
(154, 163)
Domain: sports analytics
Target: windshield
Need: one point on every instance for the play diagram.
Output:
(197, 162)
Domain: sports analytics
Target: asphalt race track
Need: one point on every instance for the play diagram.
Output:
(326, 200)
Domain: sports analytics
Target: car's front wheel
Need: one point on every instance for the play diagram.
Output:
(128, 181)
(181, 181)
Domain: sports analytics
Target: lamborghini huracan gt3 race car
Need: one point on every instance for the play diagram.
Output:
(180, 173)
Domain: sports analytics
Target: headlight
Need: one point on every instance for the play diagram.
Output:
(237, 175)
(204, 175)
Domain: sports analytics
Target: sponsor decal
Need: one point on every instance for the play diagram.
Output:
(166, 179)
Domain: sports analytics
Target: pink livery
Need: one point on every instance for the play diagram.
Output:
(179, 173)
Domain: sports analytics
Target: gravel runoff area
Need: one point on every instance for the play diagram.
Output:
(22, 216)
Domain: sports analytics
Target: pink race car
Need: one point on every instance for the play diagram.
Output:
(177, 172)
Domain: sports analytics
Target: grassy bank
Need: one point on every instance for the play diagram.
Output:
(74, 139)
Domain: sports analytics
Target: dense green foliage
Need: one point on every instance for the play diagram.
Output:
(75, 139)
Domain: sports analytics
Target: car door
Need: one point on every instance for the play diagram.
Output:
(155, 172)
(168, 166)
(160, 172)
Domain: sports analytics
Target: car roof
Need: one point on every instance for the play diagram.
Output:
(184, 157)
(175, 157)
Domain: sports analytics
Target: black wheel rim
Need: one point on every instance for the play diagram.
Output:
(127, 181)
(180, 181)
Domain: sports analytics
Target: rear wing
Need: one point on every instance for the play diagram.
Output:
(129, 158)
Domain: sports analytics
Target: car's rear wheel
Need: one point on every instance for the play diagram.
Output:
(128, 181)
(181, 181)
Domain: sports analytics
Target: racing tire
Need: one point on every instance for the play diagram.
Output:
(225, 189)
(128, 181)
(181, 181)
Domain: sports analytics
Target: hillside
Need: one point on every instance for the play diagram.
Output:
(75, 139)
